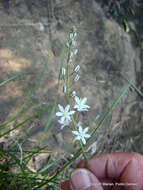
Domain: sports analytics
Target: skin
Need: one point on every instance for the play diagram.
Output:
(116, 167)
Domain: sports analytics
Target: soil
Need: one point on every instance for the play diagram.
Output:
(33, 32)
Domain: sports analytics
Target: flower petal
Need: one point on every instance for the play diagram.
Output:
(60, 122)
(76, 106)
(85, 130)
(62, 119)
(67, 108)
(87, 136)
(86, 106)
(60, 108)
(77, 99)
(80, 129)
(84, 100)
(83, 140)
(78, 138)
(75, 133)
(71, 112)
(59, 114)
(68, 118)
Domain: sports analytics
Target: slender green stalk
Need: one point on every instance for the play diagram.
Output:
(68, 77)
(24, 113)
(68, 99)
(17, 115)
(11, 78)
(109, 111)
(84, 154)
(55, 102)
(25, 121)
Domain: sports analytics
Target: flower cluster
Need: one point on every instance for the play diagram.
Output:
(72, 50)
(66, 114)
(71, 45)
(65, 117)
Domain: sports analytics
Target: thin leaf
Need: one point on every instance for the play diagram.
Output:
(27, 98)
(11, 78)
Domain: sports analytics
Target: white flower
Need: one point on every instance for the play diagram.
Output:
(64, 113)
(64, 123)
(63, 71)
(80, 104)
(77, 68)
(81, 134)
(76, 78)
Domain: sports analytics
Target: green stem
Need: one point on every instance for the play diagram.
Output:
(84, 154)
(68, 77)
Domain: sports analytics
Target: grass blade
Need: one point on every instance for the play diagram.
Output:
(27, 98)
(11, 78)
(26, 120)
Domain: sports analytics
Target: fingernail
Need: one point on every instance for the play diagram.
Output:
(81, 179)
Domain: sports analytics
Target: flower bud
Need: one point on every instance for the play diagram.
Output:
(75, 51)
(77, 68)
(76, 78)
(73, 94)
(64, 89)
(63, 71)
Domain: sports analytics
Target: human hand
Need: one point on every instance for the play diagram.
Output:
(114, 171)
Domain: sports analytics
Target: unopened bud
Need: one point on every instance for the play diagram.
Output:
(75, 51)
(42, 28)
(73, 43)
(77, 68)
(65, 89)
(63, 71)
(67, 44)
(73, 94)
(71, 35)
(71, 55)
(76, 78)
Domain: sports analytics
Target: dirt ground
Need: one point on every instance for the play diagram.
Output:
(32, 32)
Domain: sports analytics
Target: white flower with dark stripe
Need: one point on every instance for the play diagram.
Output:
(64, 113)
(81, 134)
(80, 104)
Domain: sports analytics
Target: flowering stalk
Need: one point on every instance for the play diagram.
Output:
(66, 114)
(71, 43)
(68, 79)
(84, 154)
(67, 73)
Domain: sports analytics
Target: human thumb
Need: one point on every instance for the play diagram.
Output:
(82, 179)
